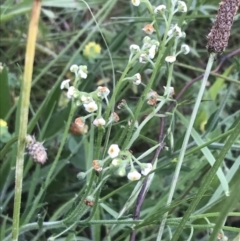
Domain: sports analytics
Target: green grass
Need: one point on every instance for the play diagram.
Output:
(201, 203)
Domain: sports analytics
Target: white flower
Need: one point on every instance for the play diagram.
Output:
(171, 90)
(170, 59)
(65, 84)
(134, 48)
(185, 49)
(116, 162)
(74, 68)
(99, 122)
(82, 72)
(170, 32)
(91, 107)
(103, 92)
(183, 35)
(137, 80)
(136, 2)
(143, 58)
(175, 30)
(147, 168)
(71, 92)
(133, 175)
(86, 99)
(182, 7)
(152, 51)
(178, 31)
(113, 150)
(160, 9)
(136, 124)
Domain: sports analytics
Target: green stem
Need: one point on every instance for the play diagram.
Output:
(103, 13)
(230, 203)
(23, 117)
(209, 177)
(185, 142)
(138, 108)
(55, 162)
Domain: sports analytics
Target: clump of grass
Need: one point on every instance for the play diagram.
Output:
(132, 144)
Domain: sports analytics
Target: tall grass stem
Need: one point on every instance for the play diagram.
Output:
(185, 142)
(23, 117)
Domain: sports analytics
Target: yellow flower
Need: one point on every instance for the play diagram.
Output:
(3, 123)
(92, 50)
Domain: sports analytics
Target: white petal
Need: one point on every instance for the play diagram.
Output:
(65, 84)
(113, 150)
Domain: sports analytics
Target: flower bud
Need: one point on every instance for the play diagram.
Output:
(185, 49)
(137, 80)
(74, 68)
(89, 201)
(152, 97)
(97, 165)
(116, 162)
(146, 40)
(136, 2)
(170, 59)
(81, 175)
(134, 48)
(103, 92)
(160, 9)
(148, 29)
(133, 175)
(65, 84)
(182, 7)
(82, 72)
(99, 122)
(146, 168)
(121, 171)
(78, 127)
(36, 150)
(114, 117)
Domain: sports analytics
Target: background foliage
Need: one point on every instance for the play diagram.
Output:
(65, 28)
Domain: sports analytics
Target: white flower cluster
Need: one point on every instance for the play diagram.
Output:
(147, 52)
(115, 153)
(80, 70)
(181, 7)
(90, 101)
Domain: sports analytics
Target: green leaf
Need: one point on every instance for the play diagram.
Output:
(219, 84)
(5, 103)
(208, 155)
